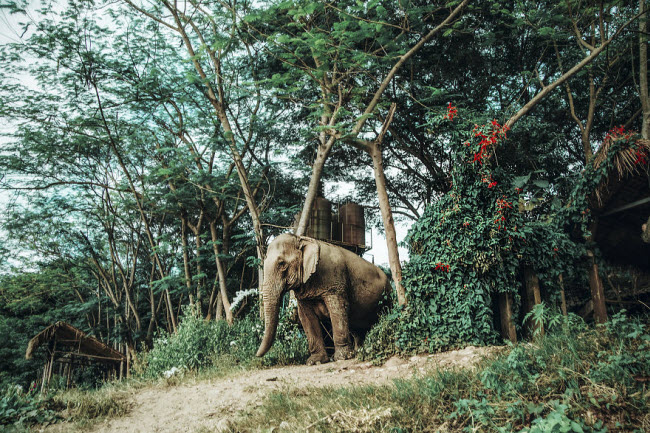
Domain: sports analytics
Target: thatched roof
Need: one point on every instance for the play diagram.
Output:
(621, 205)
(625, 163)
(84, 344)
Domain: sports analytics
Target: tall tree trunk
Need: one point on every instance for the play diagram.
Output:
(389, 223)
(196, 231)
(322, 153)
(643, 69)
(374, 149)
(199, 270)
(221, 273)
(186, 259)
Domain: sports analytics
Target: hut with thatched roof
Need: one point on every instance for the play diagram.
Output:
(620, 207)
(70, 347)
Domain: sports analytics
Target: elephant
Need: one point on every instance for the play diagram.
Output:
(329, 282)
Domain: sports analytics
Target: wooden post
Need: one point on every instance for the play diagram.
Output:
(46, 367)
(562, 296)
(51, 366)
(597, 290)
(532, 297)
(69, 373)
(49, 371)
(508, 330)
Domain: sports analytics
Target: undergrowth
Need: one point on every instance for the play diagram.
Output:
(575, 378)
(200, 344)
(198, 350)
(20, 409)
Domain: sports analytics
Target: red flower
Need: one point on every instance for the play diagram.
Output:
(641, 156)
(502, 203)
(442, 267)
(451, 112)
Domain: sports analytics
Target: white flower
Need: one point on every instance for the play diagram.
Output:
(232, 343)
(169, 373)
(240, 296)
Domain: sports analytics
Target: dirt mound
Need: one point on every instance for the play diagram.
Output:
(210, 404)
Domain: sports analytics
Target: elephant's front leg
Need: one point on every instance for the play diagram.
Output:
(311, 325)
(337, 307)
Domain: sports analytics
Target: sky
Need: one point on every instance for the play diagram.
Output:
(379, 252)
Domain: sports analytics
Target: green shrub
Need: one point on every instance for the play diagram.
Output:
(629, 357)
(379, 343)
(290, 346)
(199, 343)
(19, 409)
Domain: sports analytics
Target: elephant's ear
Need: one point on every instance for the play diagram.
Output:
(310, 257)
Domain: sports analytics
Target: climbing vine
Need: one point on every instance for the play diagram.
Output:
(475, 240)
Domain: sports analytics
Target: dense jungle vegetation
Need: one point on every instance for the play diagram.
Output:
(151, 149)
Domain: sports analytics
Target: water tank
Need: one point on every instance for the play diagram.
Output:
(320, 221)
(354, 224)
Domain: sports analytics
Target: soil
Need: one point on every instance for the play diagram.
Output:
(208, 405)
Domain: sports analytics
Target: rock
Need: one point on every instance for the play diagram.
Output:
(284, 425)
(395, 361)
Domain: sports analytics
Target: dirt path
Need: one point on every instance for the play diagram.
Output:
(207, 405)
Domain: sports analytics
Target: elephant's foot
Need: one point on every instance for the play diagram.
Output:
(318, 358)
(343, 353)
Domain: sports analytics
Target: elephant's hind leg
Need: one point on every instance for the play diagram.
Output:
(358, 340)
(311, 325)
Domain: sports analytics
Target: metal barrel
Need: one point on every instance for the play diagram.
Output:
(354, 224)
(320, 221)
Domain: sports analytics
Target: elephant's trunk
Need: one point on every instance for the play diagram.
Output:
(271, 313)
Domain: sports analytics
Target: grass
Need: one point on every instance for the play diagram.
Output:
(574, 379)
(82, 408)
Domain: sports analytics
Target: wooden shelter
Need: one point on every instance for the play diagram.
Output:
(70, 348)
(620, 206)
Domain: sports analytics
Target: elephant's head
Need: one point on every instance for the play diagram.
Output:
(290, 262)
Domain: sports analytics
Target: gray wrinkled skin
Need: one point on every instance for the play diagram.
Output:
(329, 282)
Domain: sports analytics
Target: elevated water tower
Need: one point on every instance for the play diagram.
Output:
(345, 226)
